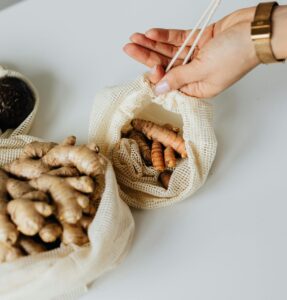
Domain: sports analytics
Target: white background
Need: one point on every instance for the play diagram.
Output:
(228, 242)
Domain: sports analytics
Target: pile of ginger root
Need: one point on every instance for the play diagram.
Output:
(160, 146)
(48, 197)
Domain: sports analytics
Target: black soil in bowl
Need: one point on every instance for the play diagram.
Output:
(16, 102)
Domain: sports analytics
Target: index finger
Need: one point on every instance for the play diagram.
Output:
(177, 37)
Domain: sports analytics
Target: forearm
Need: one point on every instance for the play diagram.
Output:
(279, 39)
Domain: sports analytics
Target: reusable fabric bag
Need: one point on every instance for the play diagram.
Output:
(139, 185)
(64, 273)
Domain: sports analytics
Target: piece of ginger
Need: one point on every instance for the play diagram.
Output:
(84, 184)
(30, 246)
(74, 234)
(85, 158)
(29, 216)
(37, 149)
(50, 232)
(9, 253)
(26, 168)
(8, 231)
(64, 172)
(69, 202)
(17, 188)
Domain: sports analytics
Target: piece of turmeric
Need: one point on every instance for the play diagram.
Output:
(157, 156)
(162, 134)
(143, 145)
(164, 178)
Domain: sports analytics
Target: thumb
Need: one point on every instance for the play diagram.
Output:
(178, 77)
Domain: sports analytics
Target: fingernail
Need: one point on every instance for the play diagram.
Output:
(152, 71)
(162, 88)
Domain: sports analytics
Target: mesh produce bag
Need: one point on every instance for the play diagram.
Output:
(66, 272)
(139, 185)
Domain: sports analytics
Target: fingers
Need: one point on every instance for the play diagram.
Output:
(145, 56)
(177, 37)
(168, 50)
(156, 74)
(178, 77)
(169, 36)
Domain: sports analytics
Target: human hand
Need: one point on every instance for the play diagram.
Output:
(225, 53)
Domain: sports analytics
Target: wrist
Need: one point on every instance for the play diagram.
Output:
(279, 37)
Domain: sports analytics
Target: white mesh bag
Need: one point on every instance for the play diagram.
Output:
(66, 272)
(139, 185)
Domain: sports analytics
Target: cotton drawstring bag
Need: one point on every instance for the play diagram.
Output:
(139, 185)
(66, 272)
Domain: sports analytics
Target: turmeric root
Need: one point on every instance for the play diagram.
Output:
(28, 216)
(170, 127)
(164, 178)
(164, 135)
(85, 159)
(69, 202)
(169, 157)
(37, 149)
(64, 172)
(50, 232)
(17, 188)
(142, 144)
(74, 234)
(30, 246)
(9, 253)
(26, 168)
(157, 156)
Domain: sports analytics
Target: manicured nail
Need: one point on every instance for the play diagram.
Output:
(162, 88)
(153, 70)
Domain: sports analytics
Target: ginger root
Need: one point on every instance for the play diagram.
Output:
(8, 231)
(37, 149)
(29, 216)
(85, 158)
(69, 202)
(26, 168)
(17, 188)
(30, 246)
(49, 196)
(50, 232)
(3, 188)
(86, 221)
(74, 234)
(65, 172)
(161, 134)
(9, 253)
(84, 184)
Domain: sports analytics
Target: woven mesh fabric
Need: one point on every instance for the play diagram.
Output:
(139, 185)
(64, 273)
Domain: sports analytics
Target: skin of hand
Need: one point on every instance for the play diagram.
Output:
(225, 53)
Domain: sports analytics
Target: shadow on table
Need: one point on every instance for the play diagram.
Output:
(6, 3)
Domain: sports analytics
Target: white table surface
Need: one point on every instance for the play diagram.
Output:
(229, 241)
